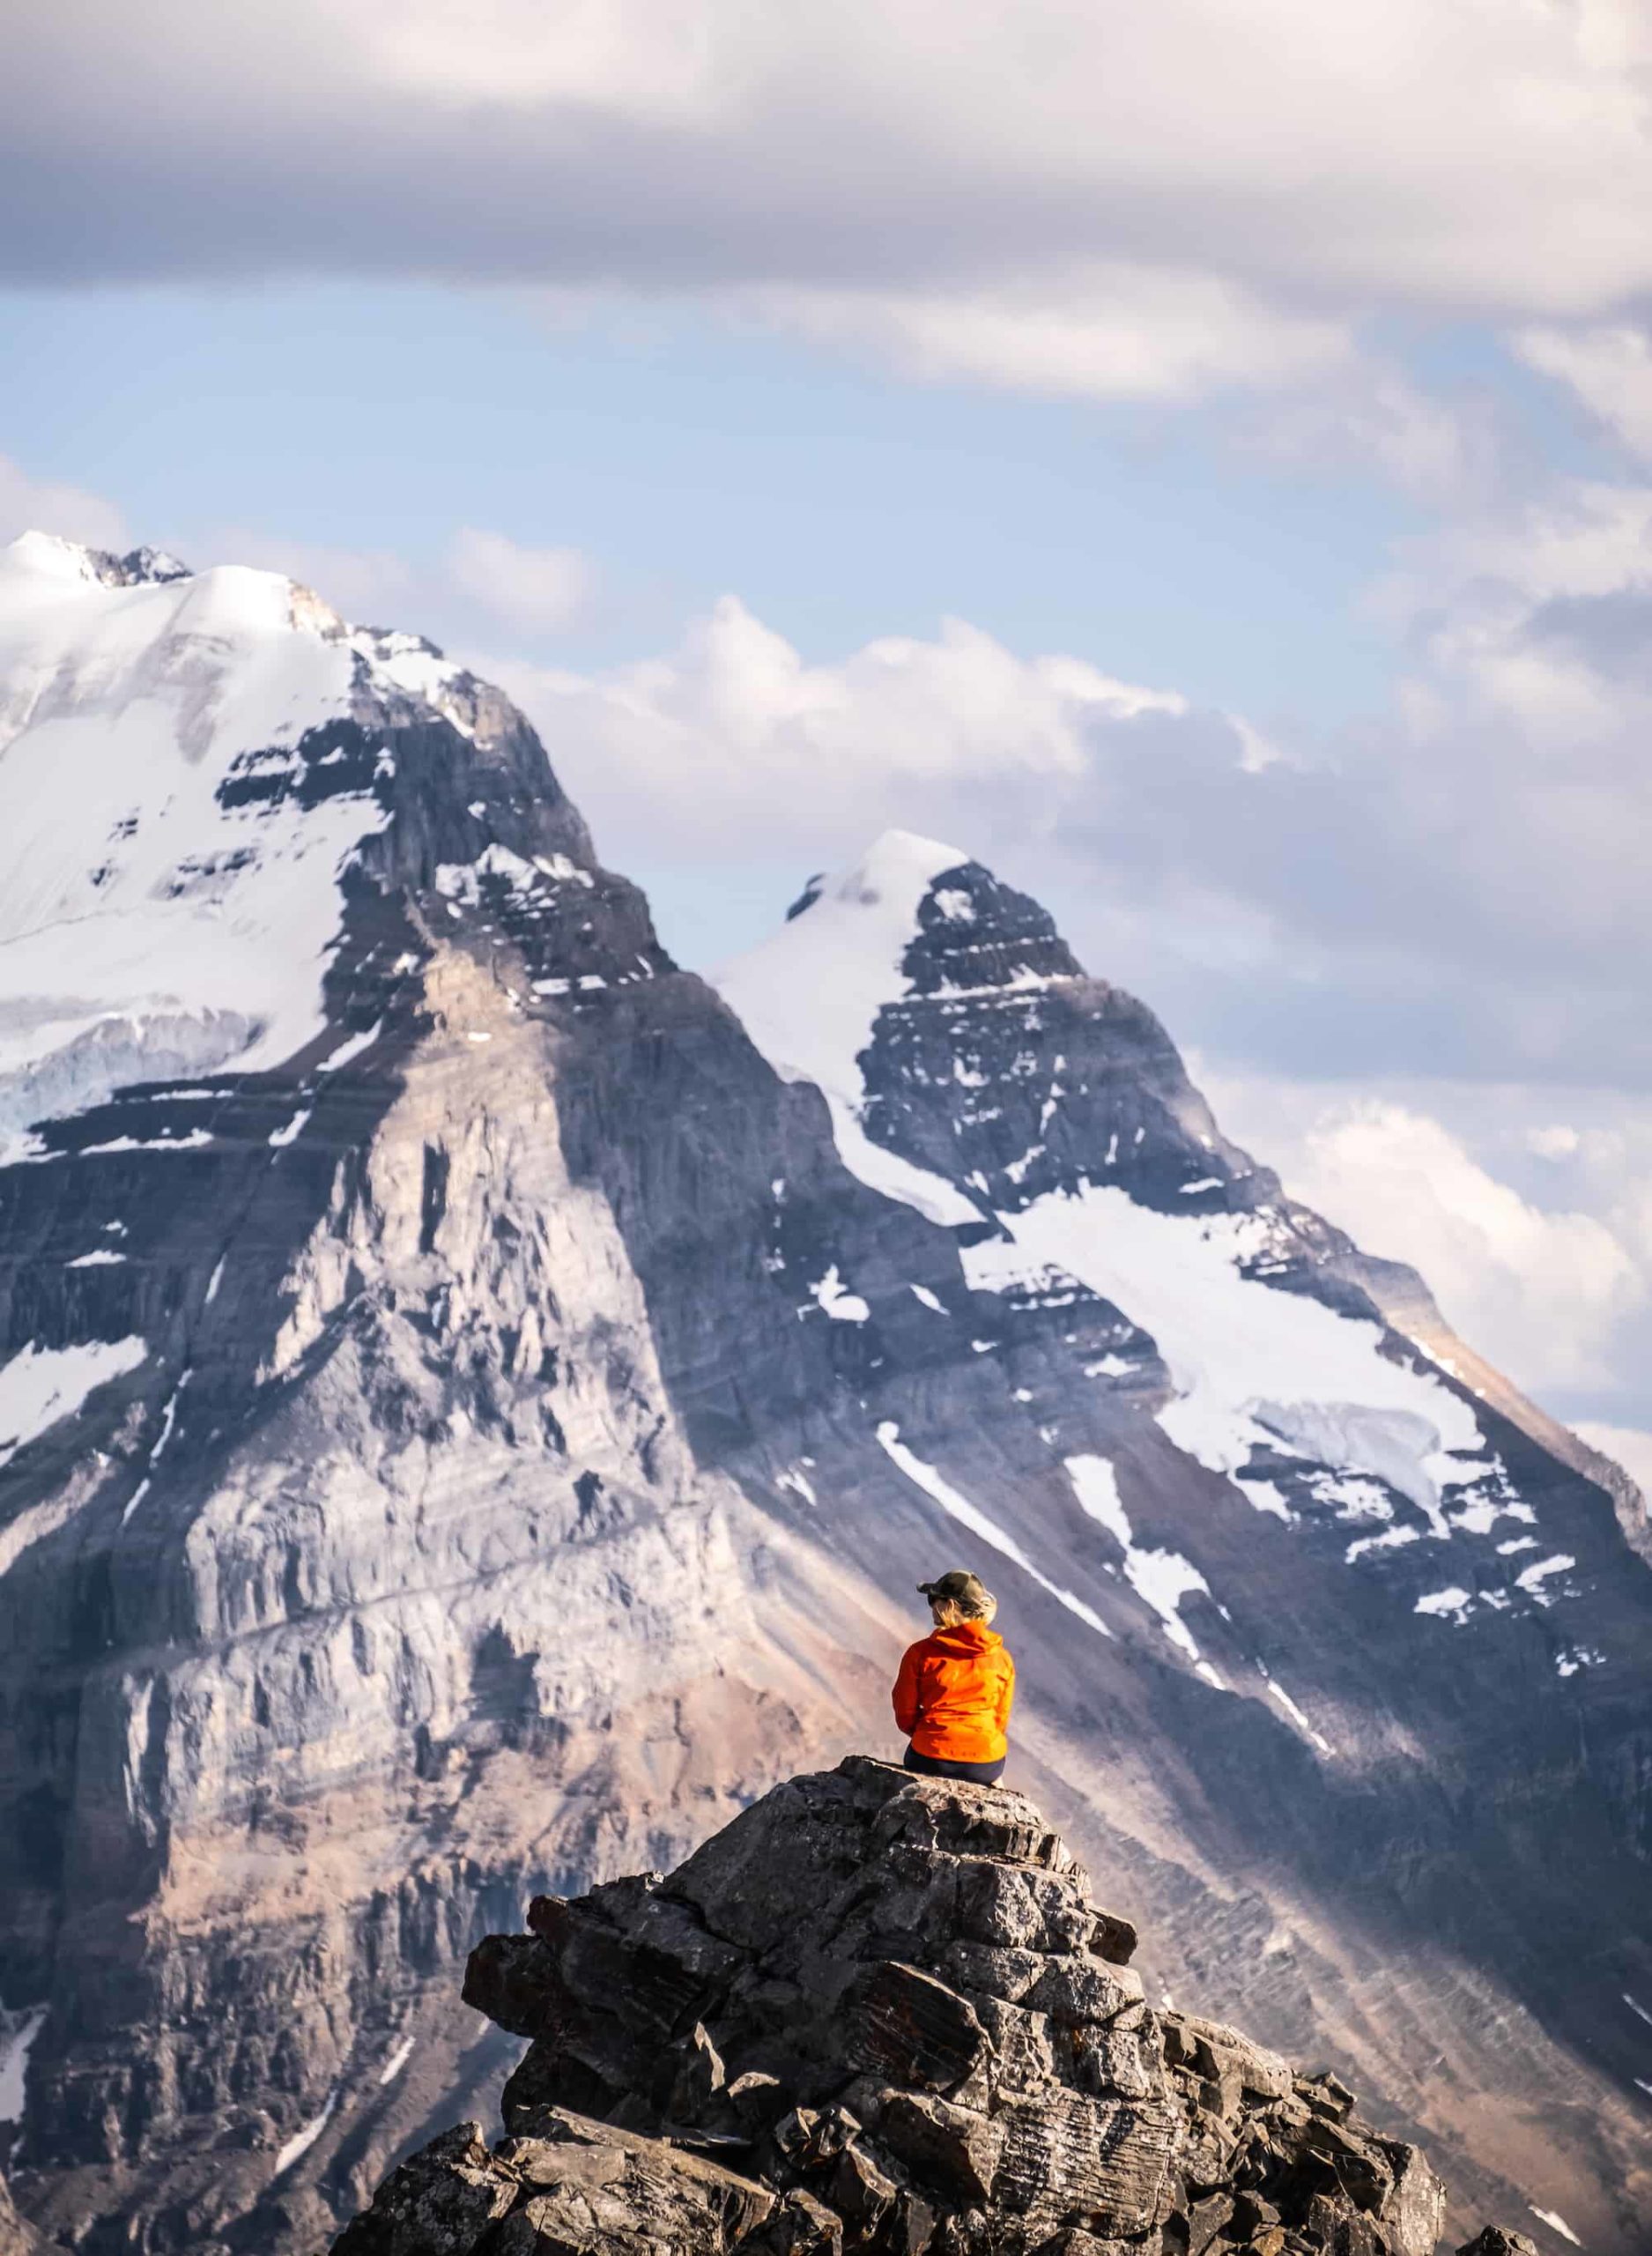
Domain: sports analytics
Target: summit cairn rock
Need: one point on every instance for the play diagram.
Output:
(880, 2013)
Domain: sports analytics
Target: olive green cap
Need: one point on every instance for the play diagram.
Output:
(963, 1589)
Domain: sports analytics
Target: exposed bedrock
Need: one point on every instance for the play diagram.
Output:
(881, 2014)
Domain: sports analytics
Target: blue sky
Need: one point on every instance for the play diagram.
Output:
(688, 457)
(1196, 459)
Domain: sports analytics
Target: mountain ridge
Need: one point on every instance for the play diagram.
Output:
(536, 1403)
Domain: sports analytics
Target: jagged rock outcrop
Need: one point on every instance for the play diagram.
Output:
(882, 2013)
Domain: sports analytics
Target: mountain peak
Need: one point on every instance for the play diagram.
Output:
(844, 946)
(897, 860)
(50, 556)
(874, 934)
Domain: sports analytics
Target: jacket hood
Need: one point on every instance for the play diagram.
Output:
(967, 1638)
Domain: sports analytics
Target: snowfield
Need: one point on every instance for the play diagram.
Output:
(1252, 1366)
(152, 922)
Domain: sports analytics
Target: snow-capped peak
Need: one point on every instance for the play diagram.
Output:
(896, 872)
(809, 995)
(49, 556)
(188, 765)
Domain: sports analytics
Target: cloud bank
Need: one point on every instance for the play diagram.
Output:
(1456, 886)
(1110, 202)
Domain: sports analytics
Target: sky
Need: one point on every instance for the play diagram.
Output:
(1196, 459)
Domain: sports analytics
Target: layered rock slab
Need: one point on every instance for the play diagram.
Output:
(878, 2012)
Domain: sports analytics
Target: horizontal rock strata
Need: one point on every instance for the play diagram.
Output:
(882, 2013)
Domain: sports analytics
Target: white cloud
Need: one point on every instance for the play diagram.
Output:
(733, 742)
(43, 505)
(1559, 1142)
(1369, 415)
(1541, 1294)
(537, 590)
(1608, 367)
(1628, 1446)
(976, 188)
(1114, 332)
(1459, 885)
(634, 59)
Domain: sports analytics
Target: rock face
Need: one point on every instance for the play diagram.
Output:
(474, 1403)
(881, 2013)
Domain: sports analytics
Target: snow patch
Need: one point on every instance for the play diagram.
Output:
(1296, 1713)
(1162, 1578)
(1392, 1538)
(967, 1515)
(169, 1418)
(294, 1129)
(17, 2033)
(839, 1302)
(352, 1048)
(301, 2141)
(1230, 1343)
(1558, 2223)
(195, 1141)
(1539, 1573)
(929, 1299)
(461, 882)
(397, 2062)
(149, 925)
(102, 1256)
(1451, 1605)
(42, 1386)
(1568, 1664)
(844, 952)
(1264, 1496)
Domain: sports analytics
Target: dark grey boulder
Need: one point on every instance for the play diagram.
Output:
(879, 2013)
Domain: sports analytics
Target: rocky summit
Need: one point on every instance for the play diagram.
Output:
(883, 2013)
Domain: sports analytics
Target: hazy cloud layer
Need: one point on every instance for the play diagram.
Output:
(1135, 202)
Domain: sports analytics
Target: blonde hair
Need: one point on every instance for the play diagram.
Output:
(947, 1610)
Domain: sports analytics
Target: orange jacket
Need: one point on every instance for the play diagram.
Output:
(953, 1692)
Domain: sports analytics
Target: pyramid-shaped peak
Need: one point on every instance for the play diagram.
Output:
(914, 916)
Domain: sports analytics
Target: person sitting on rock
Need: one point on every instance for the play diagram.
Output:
(953, 1691)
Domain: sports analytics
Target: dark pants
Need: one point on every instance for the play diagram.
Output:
(932, 1766)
